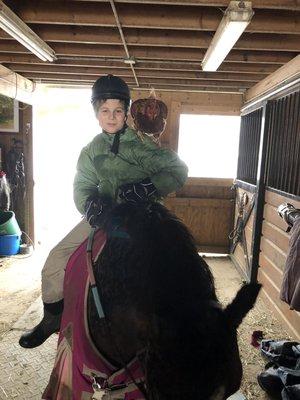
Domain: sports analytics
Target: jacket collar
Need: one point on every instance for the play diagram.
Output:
(127, 136)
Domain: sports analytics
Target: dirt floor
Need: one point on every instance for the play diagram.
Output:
(20, 287)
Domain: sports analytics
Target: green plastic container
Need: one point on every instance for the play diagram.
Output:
(9, 224)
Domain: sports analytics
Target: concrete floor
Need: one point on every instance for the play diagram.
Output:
(24, 373)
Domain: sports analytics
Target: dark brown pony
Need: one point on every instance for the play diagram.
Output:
(159, 296)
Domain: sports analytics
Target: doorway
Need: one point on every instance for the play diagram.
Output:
(63, 122)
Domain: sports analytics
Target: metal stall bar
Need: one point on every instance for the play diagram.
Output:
(260, 195)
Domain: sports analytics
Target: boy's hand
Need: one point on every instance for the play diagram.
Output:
(136, 192)
(94, 209)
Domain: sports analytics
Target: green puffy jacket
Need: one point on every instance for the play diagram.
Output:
(101, 171)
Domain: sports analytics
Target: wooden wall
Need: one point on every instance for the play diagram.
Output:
(206, 206)
(273, 253)
(192, 103)
(274, 248)
(24, 212)
(177, 103)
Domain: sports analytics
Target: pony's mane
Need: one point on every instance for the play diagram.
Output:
(166, 244)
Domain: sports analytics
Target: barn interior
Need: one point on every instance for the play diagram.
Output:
(161, 45)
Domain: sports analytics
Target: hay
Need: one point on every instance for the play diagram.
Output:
(260, 318)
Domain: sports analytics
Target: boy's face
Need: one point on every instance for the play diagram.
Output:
(111, 115)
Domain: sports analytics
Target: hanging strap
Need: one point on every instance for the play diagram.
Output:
(90, 266)
(238, 232)
(115, 146)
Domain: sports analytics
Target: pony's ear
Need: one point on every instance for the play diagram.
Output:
(242, 303)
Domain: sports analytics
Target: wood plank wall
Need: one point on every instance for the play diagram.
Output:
(206, 206)
(274, 248)
(273, 253)
(191, 103)
(177, 102)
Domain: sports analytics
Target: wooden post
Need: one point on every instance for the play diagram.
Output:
(16, 86)
(174, 124)
(288, 74)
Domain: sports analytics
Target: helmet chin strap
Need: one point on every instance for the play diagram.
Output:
(115, 146)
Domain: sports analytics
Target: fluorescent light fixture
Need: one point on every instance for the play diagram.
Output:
(15, 27)
(235, 20)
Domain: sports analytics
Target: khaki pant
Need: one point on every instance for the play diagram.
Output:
(54, 269)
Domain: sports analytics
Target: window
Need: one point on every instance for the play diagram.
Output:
(209, 144)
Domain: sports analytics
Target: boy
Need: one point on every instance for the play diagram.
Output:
(116, 166)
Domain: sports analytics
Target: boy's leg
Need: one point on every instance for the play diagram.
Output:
(54, 269)
(52, 286)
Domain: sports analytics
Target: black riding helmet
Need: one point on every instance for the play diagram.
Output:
(110, 87)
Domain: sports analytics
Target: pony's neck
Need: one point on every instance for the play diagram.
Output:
(116, 338)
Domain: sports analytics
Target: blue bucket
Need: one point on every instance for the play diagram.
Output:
(9, 245)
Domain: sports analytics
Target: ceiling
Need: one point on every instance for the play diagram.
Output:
(166, 38)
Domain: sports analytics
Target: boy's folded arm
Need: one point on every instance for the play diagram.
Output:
(165, 169)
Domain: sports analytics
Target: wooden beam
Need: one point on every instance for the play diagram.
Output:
(268, 42)
(161, 65)
(67, 69)
(190, 83)
(19, 58)
(141, 72)
(16, 86)
(149, 16)
(148, 53)
(184, 89)
(200, 76)
(248, 68)
(146, 82)
(168, 53)
(287, 73)
(151, 37)
(268, 4)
